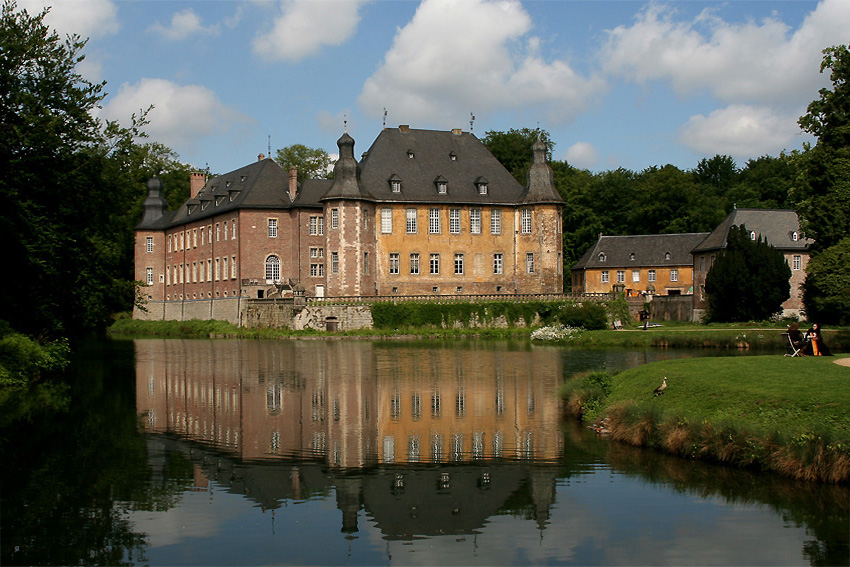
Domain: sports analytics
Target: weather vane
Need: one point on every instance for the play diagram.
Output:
(385, 117)
(471, 121)
(345, 123)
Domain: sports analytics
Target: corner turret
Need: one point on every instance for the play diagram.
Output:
(155, 206)
(346, 182)
(541, 179)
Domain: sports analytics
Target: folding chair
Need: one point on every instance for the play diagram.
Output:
(794, 350)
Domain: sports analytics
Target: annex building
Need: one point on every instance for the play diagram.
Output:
(422, 212)
(677, 264)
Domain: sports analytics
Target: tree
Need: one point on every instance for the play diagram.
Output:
(513, 149)
(823, 201)
(826, 291)
(748, 281)
(312, 163)
(61, 242)
(718, 173)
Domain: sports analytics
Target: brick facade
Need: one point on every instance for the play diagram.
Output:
(256, 233)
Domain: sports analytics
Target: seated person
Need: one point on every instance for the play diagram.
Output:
(816, 346)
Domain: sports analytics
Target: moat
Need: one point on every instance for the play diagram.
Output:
(238, 452)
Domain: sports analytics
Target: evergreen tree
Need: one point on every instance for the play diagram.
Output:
(748, 281)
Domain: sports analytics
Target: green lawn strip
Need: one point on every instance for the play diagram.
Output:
(764, 394)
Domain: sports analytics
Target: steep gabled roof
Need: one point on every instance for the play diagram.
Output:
(777, 226)
(419, 157)
(641, 251)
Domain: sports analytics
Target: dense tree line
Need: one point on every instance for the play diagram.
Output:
(659, 199)
(73, 186)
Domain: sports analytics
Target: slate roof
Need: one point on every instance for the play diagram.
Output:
(419, 157)
(641, 251)
(777, 226)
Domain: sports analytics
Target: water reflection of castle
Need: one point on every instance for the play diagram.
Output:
(352, 404)
(439, 439)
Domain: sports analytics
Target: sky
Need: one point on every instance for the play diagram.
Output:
(621, 83)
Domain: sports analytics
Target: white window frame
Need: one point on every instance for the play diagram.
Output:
(635, 275)
(386, 221)
(335, 262)
(496, 221)
(529, 262)
(434, 225)
(651, 276)
(674, 275)
(605, 276)
(797, 262)
(334, 219)
(410, 221)
(414, 263)
(475, 221)
(458, 264)
(621, 276)
(272, 224)
(525, 221)
(149, 275)
(434, 263)
(394, 263)
(498, 264)
(149, 243)
(454, 221)
(272, 268)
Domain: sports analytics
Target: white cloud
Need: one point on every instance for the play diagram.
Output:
(751, 62)
(305, 26)
(741, 131)
(582, 155)
(459, 56)
(181, 115)
(87, 18)
(183, 24)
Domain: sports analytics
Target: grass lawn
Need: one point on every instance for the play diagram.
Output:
(761, 393)
(781, 414)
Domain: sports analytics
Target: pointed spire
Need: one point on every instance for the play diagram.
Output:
(541, 178)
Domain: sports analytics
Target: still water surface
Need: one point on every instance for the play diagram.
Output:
(230, 452)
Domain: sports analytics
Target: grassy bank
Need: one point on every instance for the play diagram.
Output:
(757, 336)
(789, 416)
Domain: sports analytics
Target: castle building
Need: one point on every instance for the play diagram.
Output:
(422, 213)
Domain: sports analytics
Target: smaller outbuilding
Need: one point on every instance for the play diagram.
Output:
(651, 264)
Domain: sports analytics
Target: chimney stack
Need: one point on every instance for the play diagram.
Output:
(404, 128)
(293, 182)
(196, 183)
(261, 157)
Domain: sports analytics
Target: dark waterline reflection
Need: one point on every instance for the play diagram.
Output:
(350, 452)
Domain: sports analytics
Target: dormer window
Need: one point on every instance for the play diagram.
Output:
(442, 185)
(395, 184)
(204, 205)
(191, 209)
(602, 256)
(752, 235)
(219, 200)
(410, 154)
(667, 256)
(794, 236)
(453, 156)
(242, 178)
(227, 184)
(631, 256)
(481, 184)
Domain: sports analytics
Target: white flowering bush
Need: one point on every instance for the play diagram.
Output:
(556, 333)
